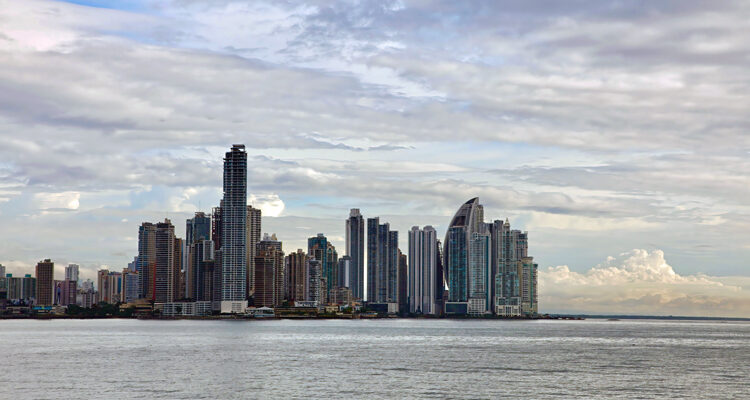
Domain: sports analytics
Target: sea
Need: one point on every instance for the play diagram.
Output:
(374, 359)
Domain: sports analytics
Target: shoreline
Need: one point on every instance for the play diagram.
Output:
(613, 318)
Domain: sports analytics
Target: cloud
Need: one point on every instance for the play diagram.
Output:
(543, 220)
(57, 201)
(270, 205)
(641, 282)
(601, 122)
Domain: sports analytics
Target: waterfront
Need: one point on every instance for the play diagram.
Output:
(117, 358)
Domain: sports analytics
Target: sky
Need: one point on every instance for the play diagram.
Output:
(615, 133)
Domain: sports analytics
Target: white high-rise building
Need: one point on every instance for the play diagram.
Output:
(71, 272)
(423, 277)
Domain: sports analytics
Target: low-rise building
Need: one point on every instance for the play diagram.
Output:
(184, 309)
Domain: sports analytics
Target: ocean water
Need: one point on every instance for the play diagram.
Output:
(332, 359)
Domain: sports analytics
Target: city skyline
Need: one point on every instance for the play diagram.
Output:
(631, 176)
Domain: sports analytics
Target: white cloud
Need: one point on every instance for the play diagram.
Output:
(543, 220)
(644, 101)
(57, 201)
(270, 205)
(641, 282)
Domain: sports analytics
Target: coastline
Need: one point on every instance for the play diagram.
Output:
(612, 318)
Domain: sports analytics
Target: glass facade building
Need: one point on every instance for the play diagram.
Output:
(234, 226)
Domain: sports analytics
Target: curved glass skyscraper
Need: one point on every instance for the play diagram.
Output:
(466, 256)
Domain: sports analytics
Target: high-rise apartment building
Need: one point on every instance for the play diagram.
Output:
(3, 284)
(201, 230)
(44, 282)
(528, 269)
(296, 267)
(130, 291)
(201, 270)
(216, 226)
(21, 288)
(164, 277)
(178, 275)
(440, 281)
(234, 231)
(355, 249)
(269, 268)
(515, 272)
(480, 281)
(253, 238)
(109, 285)
(3, 287)
(322, 250)
(403, 284)
(197, 228)
(67, 293)
(423, 285)
(345, 273)
(314, 282)
(146, 260)
(382, 262)
(71, 272)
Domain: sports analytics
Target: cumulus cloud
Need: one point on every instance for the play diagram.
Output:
(270, 205)
(641, 282)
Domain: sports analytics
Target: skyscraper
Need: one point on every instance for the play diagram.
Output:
(253, 237)
(19, 288)
(197, 228)
(382, 262)
(314, 282)
(269, 267)
(110, 286)
(44, 282)
(164, 277)
(202, 267)
(69, 290)
(423, 285)
(528, 269)
(197, 231)
(515, 276)
(129, 292)
(146, 261)
(3, 285)
(216, 272)
(216, 226)
(403, 283)
(322, 250)
(234, 231)
(296, 267)
(178, 270)
(440, 281)
(355, 249)
(345, 272)
(456, 253)
(71, 272)
(479, 272)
